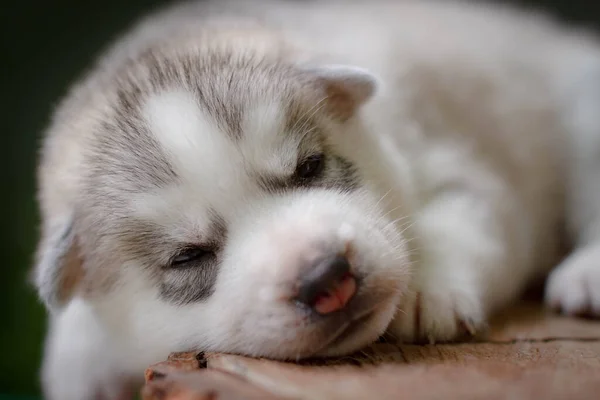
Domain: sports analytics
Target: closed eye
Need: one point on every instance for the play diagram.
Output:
(310, 168)
(308, 171)
(191, 256)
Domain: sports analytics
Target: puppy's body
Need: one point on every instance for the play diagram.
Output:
(456, 154)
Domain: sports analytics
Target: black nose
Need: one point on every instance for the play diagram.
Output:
(328, 285)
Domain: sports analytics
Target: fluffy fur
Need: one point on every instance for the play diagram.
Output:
(461, 148)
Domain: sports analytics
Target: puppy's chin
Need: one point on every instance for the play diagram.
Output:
(362, 332)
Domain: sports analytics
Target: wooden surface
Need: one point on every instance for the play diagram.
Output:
(529, 353)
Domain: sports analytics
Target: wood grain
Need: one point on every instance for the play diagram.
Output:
(529, 353)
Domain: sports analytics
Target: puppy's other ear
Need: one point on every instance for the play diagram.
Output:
(347, 87)
(58, 267)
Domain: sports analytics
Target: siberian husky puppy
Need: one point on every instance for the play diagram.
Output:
(292, 179)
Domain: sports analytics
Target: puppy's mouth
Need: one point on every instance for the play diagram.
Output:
(353, 327)
(346, 332)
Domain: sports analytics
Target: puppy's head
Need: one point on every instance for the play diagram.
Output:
(225, 206)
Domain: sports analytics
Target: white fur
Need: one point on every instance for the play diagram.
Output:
(476, 135)
(81, 359)
(574, 286)
(189, 137)
(265, 146)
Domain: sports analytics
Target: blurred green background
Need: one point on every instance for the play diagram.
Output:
(45, 45)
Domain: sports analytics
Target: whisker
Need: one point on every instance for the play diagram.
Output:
(305, 133)
(408, 227)
(383, 197)
(304, 119)
(388, 212)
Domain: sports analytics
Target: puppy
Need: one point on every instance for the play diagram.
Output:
(293, 179)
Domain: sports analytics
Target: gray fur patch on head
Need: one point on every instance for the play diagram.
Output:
(338, 172)
(149, 246)
(126, 156)
(190, 285)
(344, 175)
(195, 282)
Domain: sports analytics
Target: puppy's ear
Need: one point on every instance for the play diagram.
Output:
(58, 267)
(347, 87)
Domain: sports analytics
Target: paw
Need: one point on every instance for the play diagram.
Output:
(573, 288)
(438, 314)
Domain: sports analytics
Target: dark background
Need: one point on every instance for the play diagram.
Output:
(45, 45)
